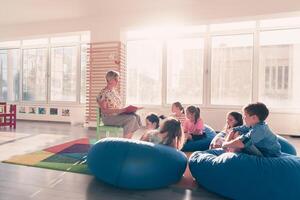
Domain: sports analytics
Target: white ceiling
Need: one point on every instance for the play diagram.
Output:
(29, 11)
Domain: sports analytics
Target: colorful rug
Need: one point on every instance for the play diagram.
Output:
(70, 156)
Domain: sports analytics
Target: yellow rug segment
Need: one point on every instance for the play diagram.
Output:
(31, 158)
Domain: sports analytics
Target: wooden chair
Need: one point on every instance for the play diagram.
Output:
(107, 131)
(8, 118)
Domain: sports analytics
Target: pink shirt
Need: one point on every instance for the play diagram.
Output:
(192, 128)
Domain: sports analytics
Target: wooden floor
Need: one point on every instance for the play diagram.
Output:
(21, 182)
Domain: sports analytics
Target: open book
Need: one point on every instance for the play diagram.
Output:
(131, 109)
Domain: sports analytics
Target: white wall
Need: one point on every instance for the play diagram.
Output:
(31, 11)
(106, 19)
(76, 114)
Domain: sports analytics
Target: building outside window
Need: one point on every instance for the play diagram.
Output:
(279, 68)
(231, 69)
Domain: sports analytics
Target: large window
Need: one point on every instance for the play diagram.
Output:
(231, 69)
(144, 66)
(247, 62)
(183, 79)
(44, 69)
(279, 68)
(226, 64)
(34, 74)
(9, 74)
(63, 73)
(185, 70)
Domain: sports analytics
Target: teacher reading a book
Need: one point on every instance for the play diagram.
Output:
(112, 111)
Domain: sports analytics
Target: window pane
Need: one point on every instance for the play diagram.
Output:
(83, 73)
(144, 66)
(63, 73)
(231, 69)
(34, 74)
(279, 68)
(9, 75)
(185, 71)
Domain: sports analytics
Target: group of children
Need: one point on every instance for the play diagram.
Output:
(175, 130)
(254, 137)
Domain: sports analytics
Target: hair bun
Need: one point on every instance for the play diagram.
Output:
(162, 117)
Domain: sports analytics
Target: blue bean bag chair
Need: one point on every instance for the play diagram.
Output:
(135, 164)
(202, 144)
(286, 147)
(243, 176)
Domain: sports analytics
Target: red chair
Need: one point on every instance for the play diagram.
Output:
(8, 118)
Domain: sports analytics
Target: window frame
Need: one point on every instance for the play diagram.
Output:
(163, 88)
(20, 68)
(78, 74)
(48, 48)
(165, 68)
(207, 37)
(164, 63)
(229, 33)
(294, 110)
